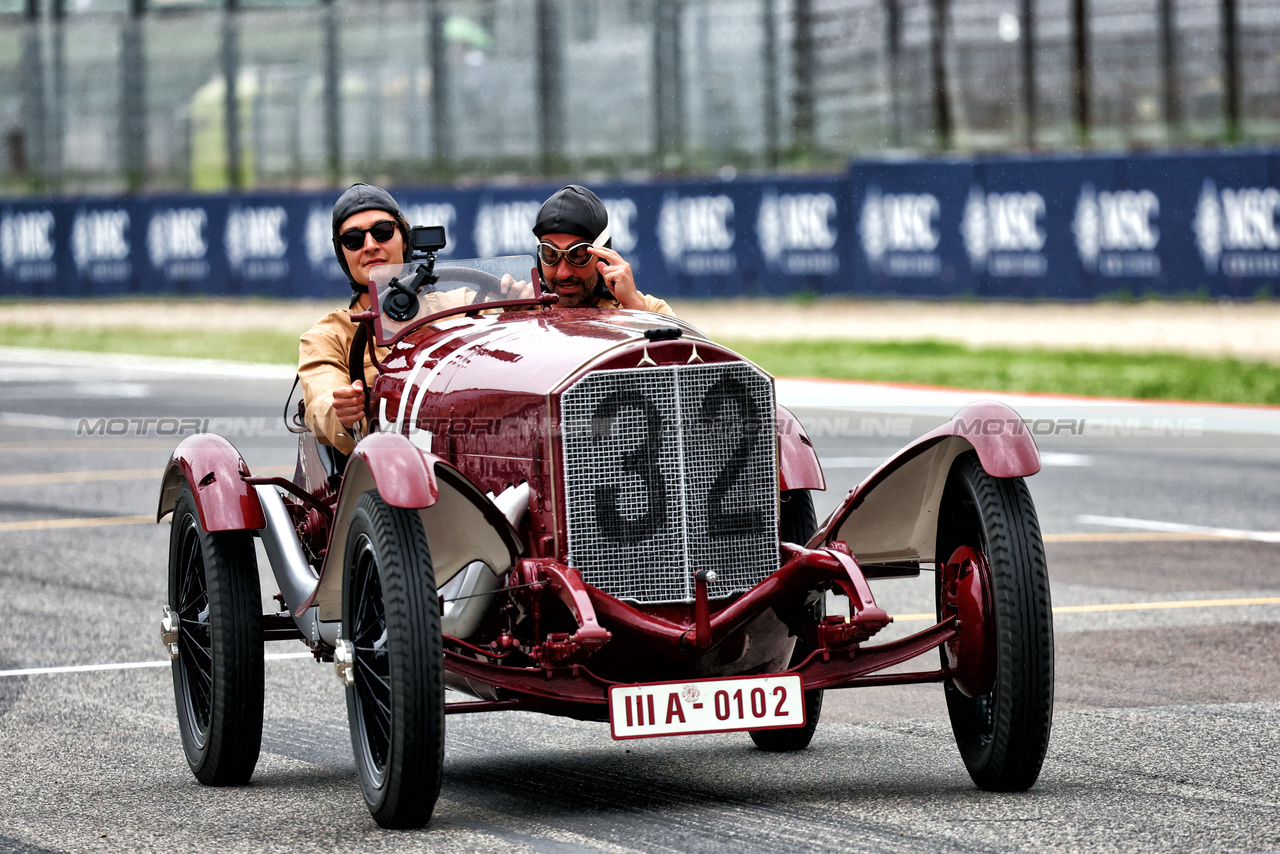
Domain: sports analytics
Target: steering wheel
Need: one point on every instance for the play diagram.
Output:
(485, 283)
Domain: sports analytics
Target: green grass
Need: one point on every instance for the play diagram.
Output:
(1162, 376)
(255, 346)
(1080, 372)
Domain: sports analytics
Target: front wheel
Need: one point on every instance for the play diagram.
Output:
(1003, 733)
(391, 618)
(218, 671)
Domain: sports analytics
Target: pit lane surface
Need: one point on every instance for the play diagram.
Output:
(1166, 727)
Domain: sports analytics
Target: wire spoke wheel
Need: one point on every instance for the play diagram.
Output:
(1002, 733)
(218, 674)
(391, 618)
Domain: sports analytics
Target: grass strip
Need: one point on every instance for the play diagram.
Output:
(1143, 376)
(232, 345)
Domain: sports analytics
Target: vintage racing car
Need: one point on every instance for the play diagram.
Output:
(599, 514)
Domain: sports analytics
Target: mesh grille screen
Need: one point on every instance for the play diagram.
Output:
(668, 471)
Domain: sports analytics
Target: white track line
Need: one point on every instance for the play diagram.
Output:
(125, 665)
(1178, 528)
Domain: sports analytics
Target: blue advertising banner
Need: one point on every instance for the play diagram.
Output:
(909, 240)
(1009, 228)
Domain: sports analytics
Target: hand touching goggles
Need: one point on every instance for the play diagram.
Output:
(353, 239)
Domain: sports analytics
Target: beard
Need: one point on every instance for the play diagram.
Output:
(582, 294)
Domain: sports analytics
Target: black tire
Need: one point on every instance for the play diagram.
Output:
(218, 674)
(797, 523)
(1003, 734)
(391, 615)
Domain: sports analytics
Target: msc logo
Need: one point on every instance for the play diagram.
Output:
(505, 228)
(1116, 232)
(696, 234)
(100, 236)
(795, 223)
(177, 242)
(100, 244)
(903, 222)
(899, 232)
(255, 235)
(26, 238)
(1238, 227)
(1002, 232)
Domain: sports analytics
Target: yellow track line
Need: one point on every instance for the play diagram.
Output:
(1127, 606)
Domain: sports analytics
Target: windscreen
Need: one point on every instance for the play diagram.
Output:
(463, 282)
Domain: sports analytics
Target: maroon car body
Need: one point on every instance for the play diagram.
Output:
(594, 500)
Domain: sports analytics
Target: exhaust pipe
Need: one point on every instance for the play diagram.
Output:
(294, 575)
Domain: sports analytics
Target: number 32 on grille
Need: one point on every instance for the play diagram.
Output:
(706, 705)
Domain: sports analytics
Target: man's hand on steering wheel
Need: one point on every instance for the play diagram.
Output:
(512, 289)
(348, 403)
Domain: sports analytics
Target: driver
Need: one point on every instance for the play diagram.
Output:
(368, 230)
(576, 256)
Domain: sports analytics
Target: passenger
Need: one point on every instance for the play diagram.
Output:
(368, 230)
(581, 273)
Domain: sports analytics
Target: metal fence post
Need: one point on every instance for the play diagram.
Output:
(668, 85)
(1028, 24)
(802, 73)
(893, 53)
(1231, 71)
(1169, 76)
(441, 139)
(1080, 69)
(550, 91)
(27, 146)
(942, 121)
(231, 100)
(332, 95)
(769, 72)
(132, 121)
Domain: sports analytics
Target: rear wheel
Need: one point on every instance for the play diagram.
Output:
(1003, 733)
(797, 523)
(391, 617)
(218, 672)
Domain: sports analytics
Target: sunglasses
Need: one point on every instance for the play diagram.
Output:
(578, 254)
(354, 238)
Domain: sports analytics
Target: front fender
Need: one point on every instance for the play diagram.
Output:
(461, 523)
(798, 466)
(893, 514)
(213, 468)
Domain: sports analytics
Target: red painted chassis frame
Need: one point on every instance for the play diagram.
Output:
(562, 683)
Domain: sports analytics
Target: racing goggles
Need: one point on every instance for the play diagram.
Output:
(353, 239)
(577, 254)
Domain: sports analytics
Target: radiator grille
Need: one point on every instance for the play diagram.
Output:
(670, 470)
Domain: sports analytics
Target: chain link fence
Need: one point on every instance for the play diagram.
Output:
(108, 96)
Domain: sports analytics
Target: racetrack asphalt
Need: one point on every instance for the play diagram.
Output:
(1161, 530)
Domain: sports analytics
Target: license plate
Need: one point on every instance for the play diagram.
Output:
(706, 705)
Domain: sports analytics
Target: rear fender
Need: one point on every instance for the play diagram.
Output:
(213, 468)
(461, 523)
(893, 514)
(798, 466)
